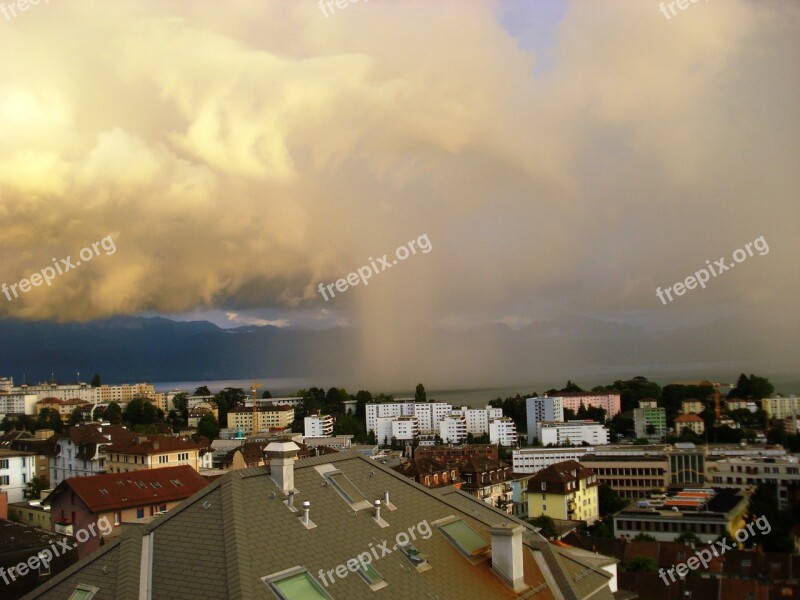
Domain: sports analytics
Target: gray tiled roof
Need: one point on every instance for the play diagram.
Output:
(220, 542)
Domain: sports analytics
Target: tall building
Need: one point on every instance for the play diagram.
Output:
(781, 407)
(542, 409)
(608, 401)
(318, 426)
(428, 414)
(503, 431)
(649, 421)
(453, 429)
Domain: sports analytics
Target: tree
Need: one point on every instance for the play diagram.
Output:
(644, 537)
(347, 424)
(49, 419)
(608, 500)
(335, 400)
(688, 536)
(641, 564)
(181, 403)
(633, 390)
(752, 387)
(76, 417)
(546, 525)
(208, 427)
(763, 504)
(96, 380)
(33, 490)
(113, 413)
(650, 429)
(141, 412)
(363, 397)
(266, 395)
(420, 395)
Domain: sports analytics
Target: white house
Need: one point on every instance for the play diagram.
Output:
(16, 470)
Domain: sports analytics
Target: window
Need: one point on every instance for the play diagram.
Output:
(140, 513)
(162, 508)
(415, 557)
(84, 592)
(176, 482)
(3, 463)
(371, 576)
(464, 537)
(295, 584)
(156, 484)
(3, 479)
(163, 458)
(141, 484)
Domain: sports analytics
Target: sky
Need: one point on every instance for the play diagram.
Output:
(561, 161)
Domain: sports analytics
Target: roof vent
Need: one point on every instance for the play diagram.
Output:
(507, 555)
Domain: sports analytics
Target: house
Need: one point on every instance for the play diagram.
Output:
(429, 472)
(64, 408)
(17, 468)
(35, 443)
(691, 406)
(694, 422)
(267, 418)
(118, 498)
(80, 450)
(152, 452)
(334, 526)
(567, 491)
(489, 479)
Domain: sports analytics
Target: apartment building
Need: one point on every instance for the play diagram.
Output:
(17, 468)
(318, 426)
(80, 451)
(428, 414)
(429, 472)
(608, 401)
(572, 432)
(503, 431)
(533, 460)
(144, 452)
(267, 418)
(478, 419)
(64, 408)
(649, 421)
(737, 404)
(37, 444)
(542, 409)
(17, 404)
(453, 429)
(694, 422)
(691, 406)
(488, 479)
(747, 473)
(781, 407)
(565, 490)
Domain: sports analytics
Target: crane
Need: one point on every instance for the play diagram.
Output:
(253, 387)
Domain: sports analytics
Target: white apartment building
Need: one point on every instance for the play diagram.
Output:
(780, 407)
(318, 426)
(428, 414)
(503, 431)
(533, 460)
(743, 473)
(572, 432)
(453, 429)
(16, 470)
(18, 404)
(478, 419)
(542, 409)
(405, 429)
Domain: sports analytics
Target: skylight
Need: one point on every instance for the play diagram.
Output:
(464, 537)
(295, 584)
(371, 576)
(176, 482)
(417, 558)
(345, 487)
(84, 592)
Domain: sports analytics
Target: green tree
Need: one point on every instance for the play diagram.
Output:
(202, 391)
(347, 424)
(96, 380)
(141, 412)
(764, 504)
(334, 401)
(609, 501)
(113, 413)
(633, 390)
(76, 417)
(49, 418)
(33, 489)
(641, 564)
(644, 537)
(546, 525)
(181, 403)
(208, 427)
(266, 395)
(688, 536)
(363, 397)
(419, 394)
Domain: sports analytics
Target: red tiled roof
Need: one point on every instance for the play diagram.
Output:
(151, 444)
(113, 491)
(688, 418)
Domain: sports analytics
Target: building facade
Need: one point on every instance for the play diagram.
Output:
(747, 473)
(16, 470)
(266, 418)
(542, 409)
(649, 421)
(318, 426)
(572, 432)
(565, 490)
(609, 402)
(503, 431)
(694, 422)
(144, 452)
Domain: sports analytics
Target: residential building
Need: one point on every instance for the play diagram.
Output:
(736, 404)
(428, 414)
(337, 442)
(80, 451)
(488, 479)
(268, 418)
(706, 512)
(747, 473)
(691, 406)
(6, 385)
(503, 431)
(198, 413)
(318, 426)
(446, 544)
(38, 444)
(477, 419)
(456, 453)
(18, 404)
(429, 472)
(608, 401)
(453, 429)
(519, 495)
(542, 409)
(17, 468)
(694, 422)
(781, 407)
(565, 490)
(649, 421)
(144, 452)
(405, 429)
(20, 542)
(533, 460)
(64, 408)
(572, 432)
(79, 502)
(31, 512)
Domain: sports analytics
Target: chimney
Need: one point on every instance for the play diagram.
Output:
(281, 456)
(507, 555)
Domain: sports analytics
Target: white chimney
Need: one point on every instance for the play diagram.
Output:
(281, 456)
(507, 555)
